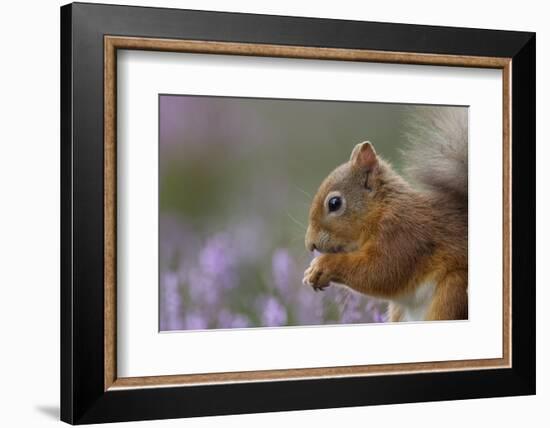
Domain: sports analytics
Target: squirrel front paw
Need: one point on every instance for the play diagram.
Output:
(318, 275)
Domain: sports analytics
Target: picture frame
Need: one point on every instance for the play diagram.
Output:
(91, 390)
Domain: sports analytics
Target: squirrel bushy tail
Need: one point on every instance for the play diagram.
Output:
(437, 154)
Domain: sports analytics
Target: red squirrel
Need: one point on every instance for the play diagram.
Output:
(398, 240)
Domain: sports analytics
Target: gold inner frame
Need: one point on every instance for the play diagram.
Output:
(113, 43)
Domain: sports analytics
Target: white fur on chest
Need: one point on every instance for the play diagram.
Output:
(415, 305)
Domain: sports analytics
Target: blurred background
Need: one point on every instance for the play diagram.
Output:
(237, 176)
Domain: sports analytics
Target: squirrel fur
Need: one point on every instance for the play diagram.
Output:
(405, 241)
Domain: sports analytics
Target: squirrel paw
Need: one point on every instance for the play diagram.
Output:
(316, 275)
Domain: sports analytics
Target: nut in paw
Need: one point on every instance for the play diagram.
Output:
(317, 274)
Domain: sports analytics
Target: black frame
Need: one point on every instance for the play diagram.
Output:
(83, 399)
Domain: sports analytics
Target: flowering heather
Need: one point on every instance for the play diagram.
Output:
(216, 283)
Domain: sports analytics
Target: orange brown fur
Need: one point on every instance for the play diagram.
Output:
(392, 238)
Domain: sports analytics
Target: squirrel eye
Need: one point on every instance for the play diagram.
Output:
(334, 203)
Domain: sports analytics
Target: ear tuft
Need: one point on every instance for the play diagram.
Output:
(364, 156)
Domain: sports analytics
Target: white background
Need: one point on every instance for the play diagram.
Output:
(29, 226)
(144, 352)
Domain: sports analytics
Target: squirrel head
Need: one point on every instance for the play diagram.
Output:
(337, 217)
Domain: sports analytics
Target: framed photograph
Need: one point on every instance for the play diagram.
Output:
(265, 213)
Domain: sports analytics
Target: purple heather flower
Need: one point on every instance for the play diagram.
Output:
(194, 321)
(170, 302)
(272, 312)
(217, 255)
(226, 319)
(203, 289)
(308, 305)
(379, 316)
(282, 267)
(240, 321)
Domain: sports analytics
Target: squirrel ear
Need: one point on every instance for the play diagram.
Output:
(364, 156)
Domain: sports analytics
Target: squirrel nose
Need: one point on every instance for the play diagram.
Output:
(312, 247)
